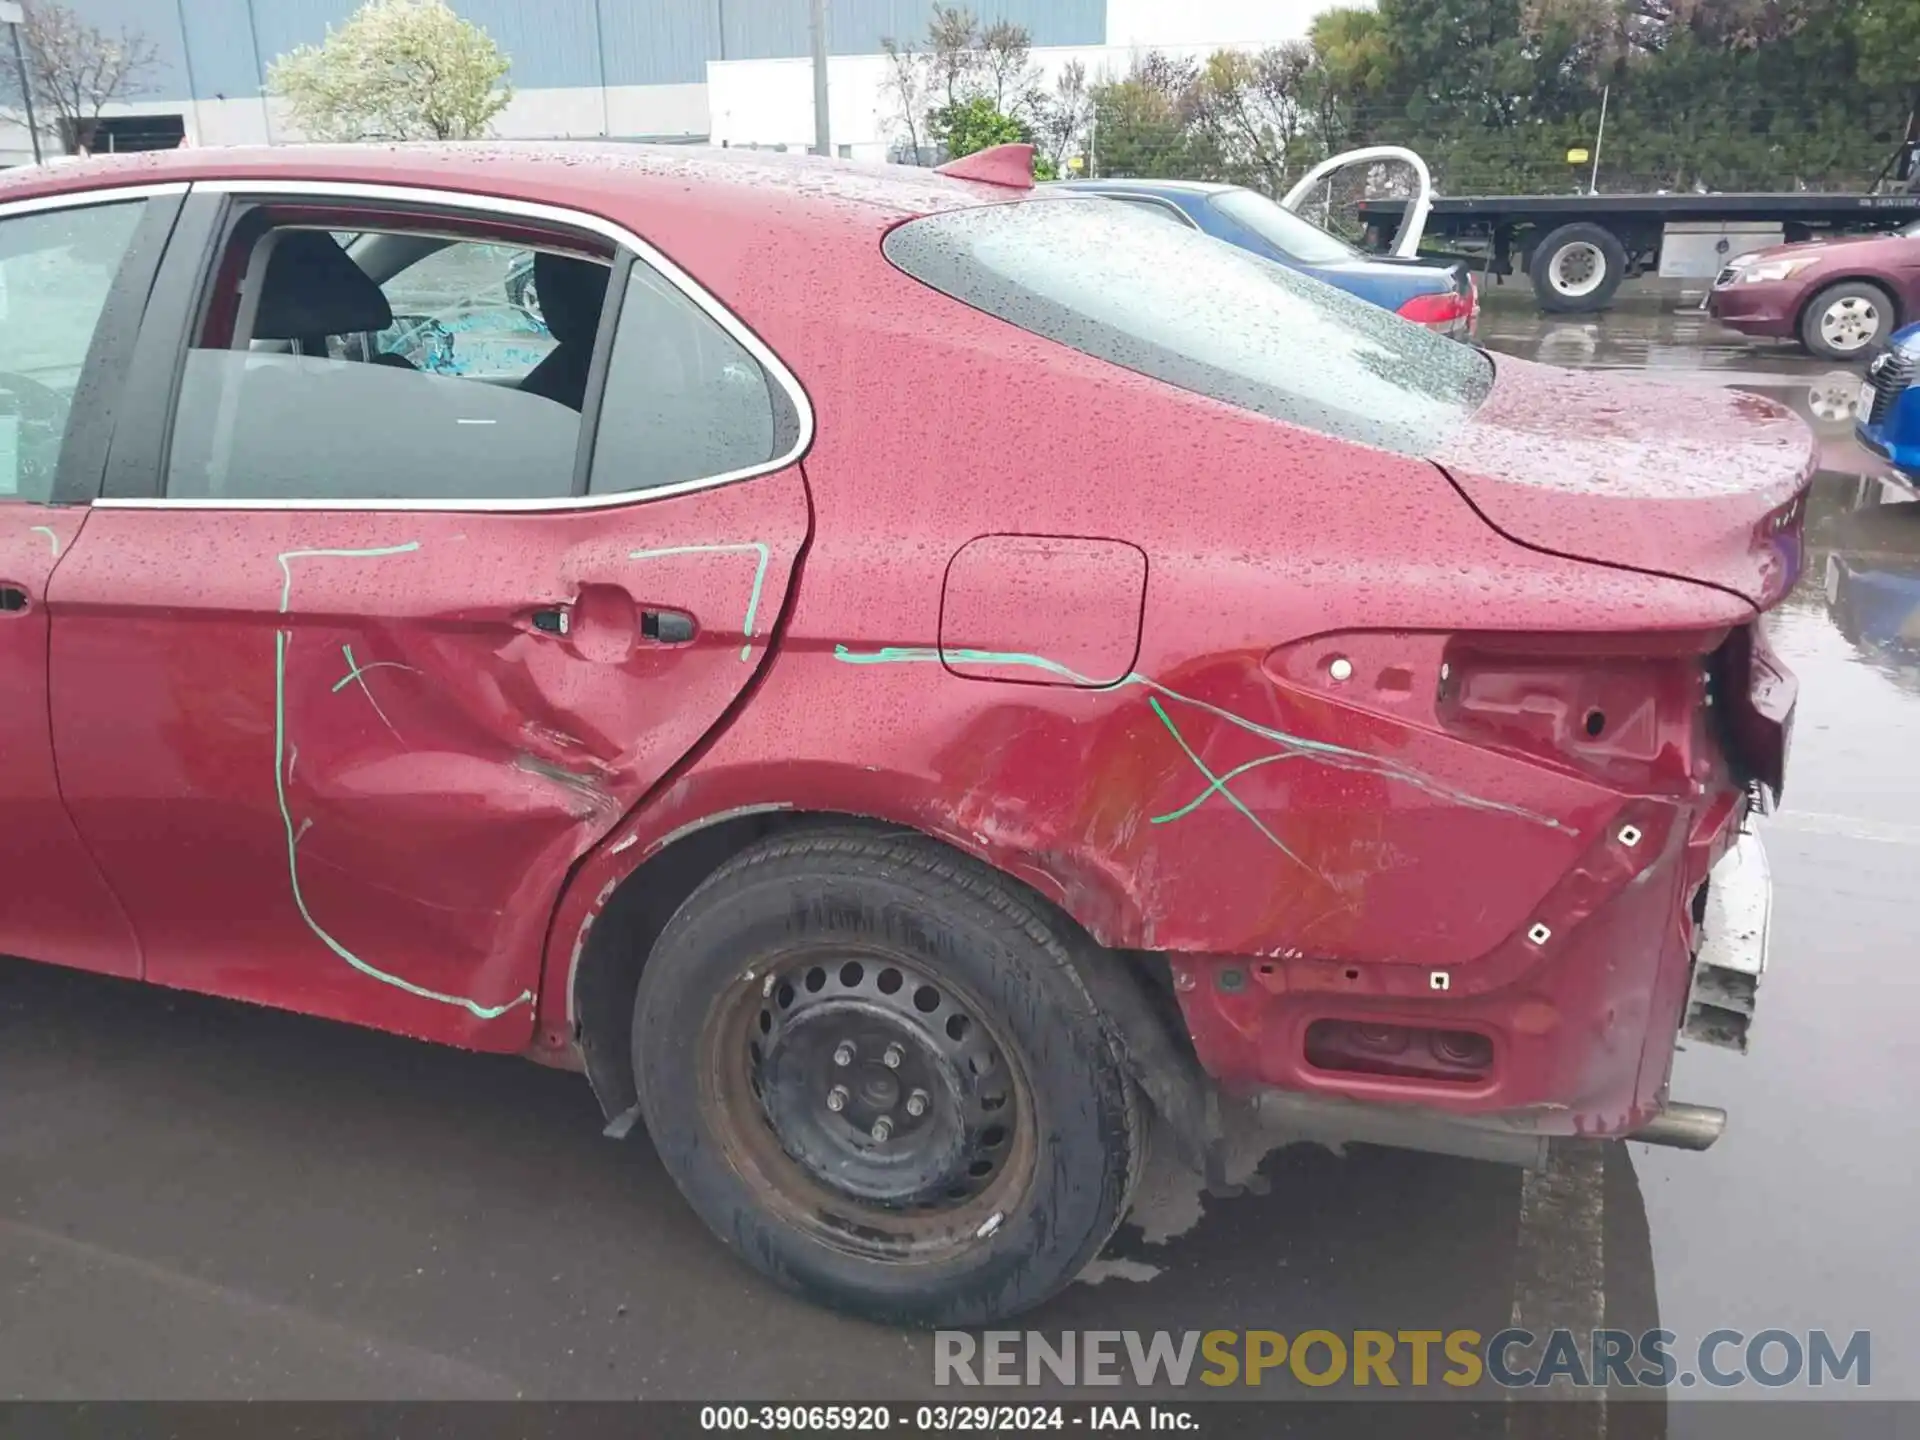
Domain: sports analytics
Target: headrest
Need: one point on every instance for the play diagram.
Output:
(314, 288)
(572, 292)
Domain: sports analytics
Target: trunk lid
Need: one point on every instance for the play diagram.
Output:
(1701, 484)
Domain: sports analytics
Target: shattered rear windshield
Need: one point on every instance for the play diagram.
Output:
(1200, 314)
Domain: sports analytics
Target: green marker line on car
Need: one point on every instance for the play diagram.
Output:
(282, 641)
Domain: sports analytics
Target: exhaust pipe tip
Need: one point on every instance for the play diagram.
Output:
(1683, 1127)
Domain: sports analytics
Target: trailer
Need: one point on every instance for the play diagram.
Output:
(1577, 249)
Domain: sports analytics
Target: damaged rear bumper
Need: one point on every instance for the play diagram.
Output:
(1732, 953)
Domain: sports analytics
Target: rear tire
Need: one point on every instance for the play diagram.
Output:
(1845, 321)
(821, 982)
(1577, 268)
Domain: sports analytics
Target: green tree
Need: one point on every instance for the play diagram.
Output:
(1889, 36)
(1061, 118)
(1254, 112)
(953, 52)
(1718, 93)
(1722, 94)
(396, 70)
(1354, 49)
(969, 86)
(969, 125)
(1140, 123)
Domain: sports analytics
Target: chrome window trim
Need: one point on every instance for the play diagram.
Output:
(519, 210)
(73, 199)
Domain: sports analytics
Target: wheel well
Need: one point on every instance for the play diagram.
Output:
(1134, 991)
(607, 973)
(1800, 316)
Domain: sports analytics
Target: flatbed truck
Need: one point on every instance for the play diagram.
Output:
(1577, 249)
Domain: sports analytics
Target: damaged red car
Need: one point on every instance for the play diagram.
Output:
(899, 678)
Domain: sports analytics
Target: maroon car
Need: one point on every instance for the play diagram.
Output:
(903, 679)
(1839, 298)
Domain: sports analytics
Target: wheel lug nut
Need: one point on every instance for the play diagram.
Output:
(843, 1053)
(837, 1099)
(882, 1128)
(917, 1104)
(893, 1057)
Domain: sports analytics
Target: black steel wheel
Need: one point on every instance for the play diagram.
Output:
(896, 1104)
(873, 1069)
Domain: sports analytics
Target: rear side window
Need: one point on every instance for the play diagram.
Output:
(1205, 316)
(685, 401)
(451, 371)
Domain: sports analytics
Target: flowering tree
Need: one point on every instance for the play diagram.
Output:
(396, 70)
(76, 69)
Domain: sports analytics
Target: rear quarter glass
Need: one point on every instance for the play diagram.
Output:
(1183, 308)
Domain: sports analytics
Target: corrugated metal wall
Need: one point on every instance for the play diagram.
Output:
(218, 48)
(661, 42)
(769, 29)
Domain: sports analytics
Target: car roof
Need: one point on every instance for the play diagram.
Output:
(568, 173)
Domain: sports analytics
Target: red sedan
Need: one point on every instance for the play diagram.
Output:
(895, 676)
(1839, 298)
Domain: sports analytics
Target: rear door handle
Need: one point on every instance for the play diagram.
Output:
(669, 627)
(12, 600)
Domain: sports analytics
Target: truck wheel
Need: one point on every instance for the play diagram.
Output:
(1577, 268)
(1845, 321)
(876, 1073)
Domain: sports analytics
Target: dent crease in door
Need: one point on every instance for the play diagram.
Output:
(377, 780)
(560, 751)
(455, 708)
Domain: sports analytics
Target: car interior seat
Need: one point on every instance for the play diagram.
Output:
(313, 290)
(572, 294)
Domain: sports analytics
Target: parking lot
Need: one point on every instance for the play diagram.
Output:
(201, 1199)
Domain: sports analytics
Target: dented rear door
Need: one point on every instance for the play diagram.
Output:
(342, 759)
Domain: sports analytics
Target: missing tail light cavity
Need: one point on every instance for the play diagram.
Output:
(1627, 718)
(1413, 1052)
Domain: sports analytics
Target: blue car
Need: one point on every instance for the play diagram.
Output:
(1873, 585)
(1438, 294)
(1890, 403)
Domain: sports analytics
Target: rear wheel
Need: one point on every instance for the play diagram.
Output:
(874, 1070)
(1845, 321)
(1577, 268)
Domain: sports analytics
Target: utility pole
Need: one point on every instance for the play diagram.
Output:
(1593, 185)
(13, 16)
(822, 130)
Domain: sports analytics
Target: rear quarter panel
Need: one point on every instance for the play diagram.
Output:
(1227, 797)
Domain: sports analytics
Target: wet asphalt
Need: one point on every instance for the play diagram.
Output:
(206, 1200)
